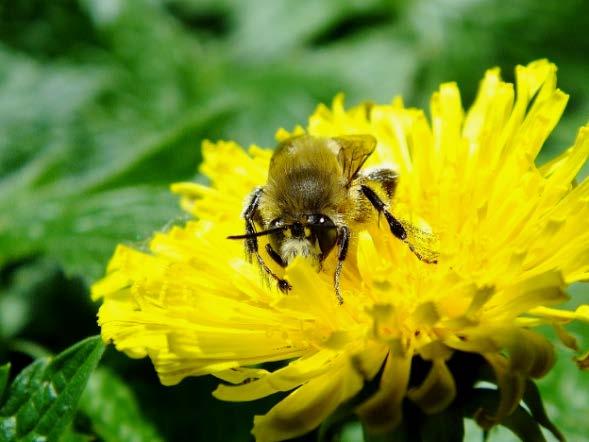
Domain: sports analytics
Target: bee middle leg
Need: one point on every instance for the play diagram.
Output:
(251, 244)
(383, 177)
(343, 241)
(396, 227)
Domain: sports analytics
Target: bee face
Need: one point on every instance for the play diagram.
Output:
(309, 236)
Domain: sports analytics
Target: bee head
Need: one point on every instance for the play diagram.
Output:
(311, 235)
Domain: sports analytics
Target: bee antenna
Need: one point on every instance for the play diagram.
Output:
(256, 234)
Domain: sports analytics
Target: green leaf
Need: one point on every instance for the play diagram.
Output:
(42, 400)
(20, 27)
(352, 431)
(564, 390)
(113, 410)
(523, 425)
(29, 348)
(42, 296)
(72, 436)
(26, 283)
(86, 160)
(4, 372)
(534, 402)
(82, 233)
(520, 422)
(447, 426)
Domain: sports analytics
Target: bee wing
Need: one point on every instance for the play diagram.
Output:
(422, 241)
(353, 152)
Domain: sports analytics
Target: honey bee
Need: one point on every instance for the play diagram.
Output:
(315, 196)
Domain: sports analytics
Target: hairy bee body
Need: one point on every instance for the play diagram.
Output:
(315, 196)
(304, 177)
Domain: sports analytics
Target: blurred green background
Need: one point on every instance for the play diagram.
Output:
(103, 103)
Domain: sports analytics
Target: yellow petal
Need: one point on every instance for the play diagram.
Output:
(306, 407)
(383, 411)
(437, 391)
(511, 387)
(565, 337)
(583, 361)
(284, 379)
(241, 374)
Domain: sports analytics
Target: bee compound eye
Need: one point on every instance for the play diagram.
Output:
(326, 238)
(319, 220)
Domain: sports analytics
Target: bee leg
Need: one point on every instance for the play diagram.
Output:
(275, 256)
(389, 176)
(251, 244)
(396, 227)
(249, 213)
(384, 177)
(343, 240)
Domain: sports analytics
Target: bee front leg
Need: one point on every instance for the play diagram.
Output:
(275, 256)
(249, 214)
(343, 241)
(251, 244)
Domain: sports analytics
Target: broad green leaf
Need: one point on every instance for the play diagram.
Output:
(38, 102)
(61, 161)
(294, 24)
(43, 398)
(82, 140)
(113, 410)
(72, 176)
(81, 233)
(22, 28)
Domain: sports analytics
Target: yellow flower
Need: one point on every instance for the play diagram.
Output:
(511, 236)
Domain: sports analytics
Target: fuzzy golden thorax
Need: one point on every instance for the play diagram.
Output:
(304, 178)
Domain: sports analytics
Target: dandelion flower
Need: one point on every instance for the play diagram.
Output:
(512, 235)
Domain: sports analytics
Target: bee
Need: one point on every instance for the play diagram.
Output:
(315, 196)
